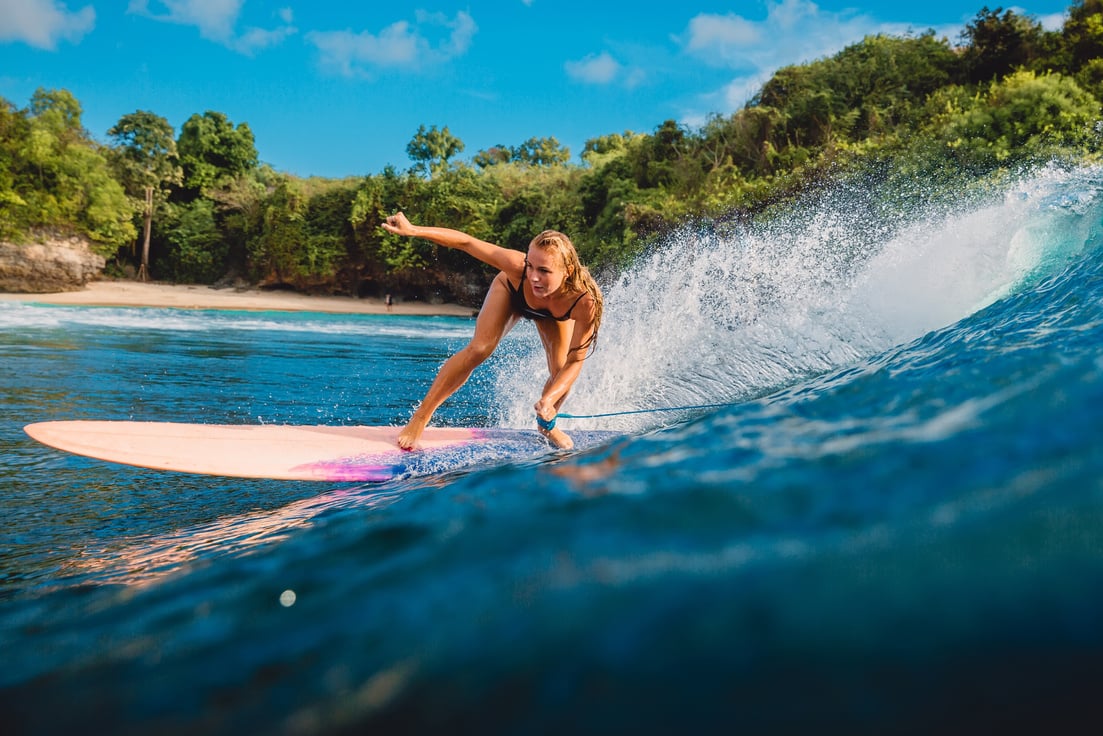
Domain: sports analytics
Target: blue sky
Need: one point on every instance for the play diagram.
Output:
(336, 89)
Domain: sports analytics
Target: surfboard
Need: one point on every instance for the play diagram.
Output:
(283, 452)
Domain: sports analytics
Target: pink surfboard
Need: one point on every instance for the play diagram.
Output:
(279, 452)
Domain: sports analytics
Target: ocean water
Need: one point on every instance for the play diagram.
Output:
(889, 518)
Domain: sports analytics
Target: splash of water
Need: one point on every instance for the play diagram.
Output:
(720, 313)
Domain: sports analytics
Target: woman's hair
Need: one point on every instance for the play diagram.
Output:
(578, 276)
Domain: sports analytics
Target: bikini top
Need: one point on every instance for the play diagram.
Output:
(517, 299)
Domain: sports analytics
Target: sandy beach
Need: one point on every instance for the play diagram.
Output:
(191, 296)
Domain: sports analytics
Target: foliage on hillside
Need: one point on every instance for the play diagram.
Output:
(1009, 94)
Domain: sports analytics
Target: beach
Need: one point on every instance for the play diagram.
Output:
(193, 296)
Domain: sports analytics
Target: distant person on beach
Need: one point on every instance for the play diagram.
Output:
(549, 286)
(389, 302)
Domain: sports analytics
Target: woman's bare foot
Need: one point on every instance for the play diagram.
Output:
(558, 438)
(410, 434)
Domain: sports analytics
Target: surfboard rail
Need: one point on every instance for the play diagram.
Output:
(274, 451)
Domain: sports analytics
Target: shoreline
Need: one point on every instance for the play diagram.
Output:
(198, 296)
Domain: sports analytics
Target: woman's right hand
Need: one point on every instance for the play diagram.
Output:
(398, 224)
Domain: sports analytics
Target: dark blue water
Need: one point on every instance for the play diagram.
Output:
(894, 524)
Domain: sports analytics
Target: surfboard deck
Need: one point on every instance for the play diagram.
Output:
(282, 452)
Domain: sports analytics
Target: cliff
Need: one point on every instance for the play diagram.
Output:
(55, 264)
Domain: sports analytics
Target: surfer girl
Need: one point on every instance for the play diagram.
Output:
(549, 286)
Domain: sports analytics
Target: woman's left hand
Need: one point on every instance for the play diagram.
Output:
(398, 224)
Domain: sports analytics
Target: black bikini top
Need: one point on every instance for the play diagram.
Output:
(517, 299)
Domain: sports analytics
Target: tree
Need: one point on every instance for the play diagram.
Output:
(654, 164)
(541, 152)
(59, 111)
(999, 44)
(213, 152)
(1083, 33)
(499, 154)
(147, 162)
(533, 152)
(14, 129)
(1023, 116)
(198, 249)
(430, 149)
(61, 177)
(865, 90)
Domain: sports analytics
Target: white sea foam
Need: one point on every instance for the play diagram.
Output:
(36, 316)
(717, 314)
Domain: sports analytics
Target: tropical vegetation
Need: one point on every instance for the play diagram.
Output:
(201, 207)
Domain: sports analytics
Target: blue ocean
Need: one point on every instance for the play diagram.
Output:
(854, 485)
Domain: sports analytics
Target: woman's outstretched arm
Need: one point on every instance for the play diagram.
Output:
(503, 259)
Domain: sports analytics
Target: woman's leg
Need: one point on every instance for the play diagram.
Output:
(495, 319)
(556, 337)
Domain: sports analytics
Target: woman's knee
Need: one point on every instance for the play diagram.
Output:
(480, 350)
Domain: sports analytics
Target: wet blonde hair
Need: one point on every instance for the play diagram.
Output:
(578, 276)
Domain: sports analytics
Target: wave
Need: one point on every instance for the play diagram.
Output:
(726, 313)
(906, 480)
(34, 316)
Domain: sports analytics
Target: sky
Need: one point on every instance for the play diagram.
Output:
(337, 89)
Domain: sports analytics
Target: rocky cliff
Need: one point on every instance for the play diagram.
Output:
(56, 264)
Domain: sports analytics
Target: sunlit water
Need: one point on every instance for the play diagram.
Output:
(894, 522)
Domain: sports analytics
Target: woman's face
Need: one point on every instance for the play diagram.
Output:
(546, 271)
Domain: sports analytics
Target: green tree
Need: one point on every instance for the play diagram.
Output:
(1022, 117)
(197, 249)
(867, 89)
(213, 152)
(541, 152)
(492, 156)
(431, 148)
(533, 200)
(293, 246)
(239, 210)
(657, 163)
(604, 194)
(379, 254)
(147, 163)
(742, 141)
(14, 129)
(59, 111)
(1083, 33)
(612, 144)
(62, 177)
(998, 44)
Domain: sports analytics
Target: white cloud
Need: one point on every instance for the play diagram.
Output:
(461, 30)
(603, 69)
(793, 32)
(42, 23)
(594, 69)
(395, 45)
(217, 21)
(255, 39)
(432, 39)
(707, 32)
(1053, 22)
(634, 78)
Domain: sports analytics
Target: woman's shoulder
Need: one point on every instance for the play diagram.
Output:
(583, 305)
(513, 263)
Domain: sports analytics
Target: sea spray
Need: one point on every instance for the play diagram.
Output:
(721, 312)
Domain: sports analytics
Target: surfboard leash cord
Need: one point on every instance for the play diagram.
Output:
(565, 415)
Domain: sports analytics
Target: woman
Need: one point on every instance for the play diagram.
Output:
(548, 286)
